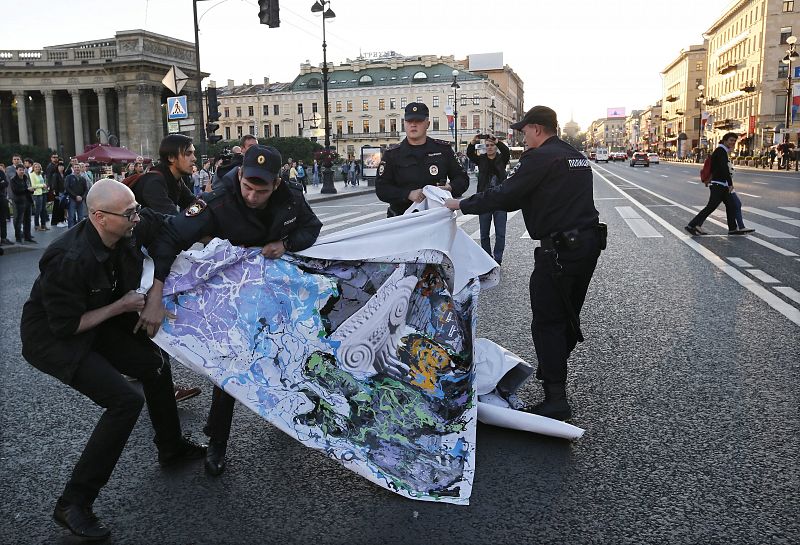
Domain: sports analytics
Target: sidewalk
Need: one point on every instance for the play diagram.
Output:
(736, 167)
(44, 238)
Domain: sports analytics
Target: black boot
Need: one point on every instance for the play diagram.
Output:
(180, 452)
(215, 458)
(555, 404)
(81, 521)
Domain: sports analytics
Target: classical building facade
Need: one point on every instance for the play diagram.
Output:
(681, 110)
(607, 132)
(747, 82)
(68, 96)
(366, 99)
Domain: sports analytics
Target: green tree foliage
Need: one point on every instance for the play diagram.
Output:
(38, 154)
(293, 146)
(578, 141)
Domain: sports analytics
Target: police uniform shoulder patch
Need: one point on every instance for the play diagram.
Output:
(578, 163)
(195, 208)
(443, 142)
(392, 147)
(434, 170)
(381, 168)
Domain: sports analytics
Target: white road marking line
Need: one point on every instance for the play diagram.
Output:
(477, 234)
(787, 310)
(337, 216)
(771, 215)
(768, 232)
(790, 209)
(352, 220)
(761, 183)
(772, 247)
(791, 293)
(664, 176)
(691, 182)
(739, 262)
(749, 195)
(637, 224)
(764, 277)
(610, 198)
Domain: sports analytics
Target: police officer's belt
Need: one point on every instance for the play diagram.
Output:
(563, 240)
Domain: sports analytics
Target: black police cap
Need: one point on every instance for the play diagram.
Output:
(416, 111)
(261, 163)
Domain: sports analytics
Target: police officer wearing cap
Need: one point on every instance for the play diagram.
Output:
(552, 184)
(253, 207)
(416, 162)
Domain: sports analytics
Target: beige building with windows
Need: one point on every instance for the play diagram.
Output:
(607, 132)
(746, 90)
(680, 114)
(367, 98)
(65, 97)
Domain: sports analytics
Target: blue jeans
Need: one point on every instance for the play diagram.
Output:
(76, 212)
(40, 210)
(500, 217)
(737, 209)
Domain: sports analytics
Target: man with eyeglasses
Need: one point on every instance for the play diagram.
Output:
(85, 302)
(253, 208)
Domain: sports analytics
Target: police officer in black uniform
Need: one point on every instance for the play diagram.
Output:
(552, 184)
(416, 162)
(252, 208)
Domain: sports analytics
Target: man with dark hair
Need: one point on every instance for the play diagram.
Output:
(253, 208)
(162, 188)
(23, 204)
(416, 162)
(84, 305)
(491, 172)
(4, 207)
(552, 184)
(720, 187)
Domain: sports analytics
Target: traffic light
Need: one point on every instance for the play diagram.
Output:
(268, 13)
(213, 115)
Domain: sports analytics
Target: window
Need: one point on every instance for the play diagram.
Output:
(252, 130)
(227, 133)
(788, 6)
(449, 100)
(250, 112)
(381, 125)
(476, 121)
(299, 129)
(314, 83)
(239, 132)
(699, 66)
(392, 103)
(783, 70)
(238, 111)
(276, 110)
(266, 110)
(435, 101)
(463, 100)
(365, 80)
(403, 102)
(299, 107)
(381, 104)
(339, 128)
(338, 105)
(785, 33)
(314, 108)
(366, 126)
(349, 127)
(277, 130)
(435, 124)
(365, 105)
(227, 112)
(349, 105)
(419, 77)
(476, 99)
(393, 125)
(418, 99)
(267, 130)
(780, 105)
(463, 122)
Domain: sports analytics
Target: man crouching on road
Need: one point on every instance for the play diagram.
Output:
(85, 304)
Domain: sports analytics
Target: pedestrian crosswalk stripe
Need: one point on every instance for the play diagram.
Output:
(640, 227)
(791, 293)
(749, 195)
(739, 262)
(359, 217)
(764, 277)
(790, 209)
(772, 247)
(771, 215)
(762, 230)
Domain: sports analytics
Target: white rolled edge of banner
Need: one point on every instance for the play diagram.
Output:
(518, 420)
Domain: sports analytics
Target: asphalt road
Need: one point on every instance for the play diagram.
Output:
(686, 386)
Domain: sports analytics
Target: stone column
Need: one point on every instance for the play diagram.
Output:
(50, 113)
(103, 120)
(122, 108)
(22, 116)
(77, 121)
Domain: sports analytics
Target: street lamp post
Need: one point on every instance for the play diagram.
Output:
(492, 107)
(327, 172)
(455, 87)
(700, 100)
(791, 55)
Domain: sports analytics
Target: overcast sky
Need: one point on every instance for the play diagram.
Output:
(578, 57)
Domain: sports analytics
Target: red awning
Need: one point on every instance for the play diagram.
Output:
(109, 154)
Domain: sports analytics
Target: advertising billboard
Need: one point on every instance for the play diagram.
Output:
(370, 159)
(615, 112)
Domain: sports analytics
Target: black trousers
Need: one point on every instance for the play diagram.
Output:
(22, 219)
(3, 217)
(220, 416)
(99, 378)
(719, 193)
(553, 336)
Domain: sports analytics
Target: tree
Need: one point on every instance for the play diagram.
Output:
(293, 146)
(578, 141)
(38, 154)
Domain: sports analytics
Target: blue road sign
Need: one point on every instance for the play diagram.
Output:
(176, 108)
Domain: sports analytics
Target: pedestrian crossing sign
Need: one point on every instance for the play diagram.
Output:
(176, 108)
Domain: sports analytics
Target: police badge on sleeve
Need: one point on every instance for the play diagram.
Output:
(195, 208)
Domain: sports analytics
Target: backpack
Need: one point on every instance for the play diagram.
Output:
(705, 172)
(131, 180)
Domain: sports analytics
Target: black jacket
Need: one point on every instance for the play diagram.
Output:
(161, 191)
(19, 187)
(490, 167)
(720, 169)
(552, 184)
(406, 167)
(75, 185)
(224, 214)
(73, 280)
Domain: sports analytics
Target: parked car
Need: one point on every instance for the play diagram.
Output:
(653, 157)
(640, 158)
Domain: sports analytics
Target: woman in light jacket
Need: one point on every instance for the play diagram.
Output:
(40, 190)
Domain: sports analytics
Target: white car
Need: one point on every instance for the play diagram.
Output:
(653, 158)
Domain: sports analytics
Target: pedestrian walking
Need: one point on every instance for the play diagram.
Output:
(552, 184)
